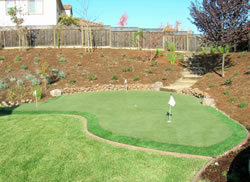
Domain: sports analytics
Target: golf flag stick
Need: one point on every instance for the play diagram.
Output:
(126, 84)
(171, 104)
(34, 94)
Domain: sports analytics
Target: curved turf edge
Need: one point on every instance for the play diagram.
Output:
(239, 133)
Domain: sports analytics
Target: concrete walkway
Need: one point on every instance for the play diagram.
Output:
(187, 80)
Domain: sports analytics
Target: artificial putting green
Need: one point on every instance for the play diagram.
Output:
(56, 148)
(139, 118)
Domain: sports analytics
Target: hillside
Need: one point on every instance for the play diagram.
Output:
(103, 66)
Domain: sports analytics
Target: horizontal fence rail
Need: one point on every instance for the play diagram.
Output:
(105, 36)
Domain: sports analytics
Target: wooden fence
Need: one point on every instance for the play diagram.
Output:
(100, 37)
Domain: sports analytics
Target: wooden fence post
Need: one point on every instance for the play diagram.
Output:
(82, 35)
(19, 39)
(163, 42)
(187, 41)
(110, 37)
(54, 36)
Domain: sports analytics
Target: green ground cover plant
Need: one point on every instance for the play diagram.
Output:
(24, 67)
(127, 117)
(136, 78)
(17, 59)
(56, 148)
(114, 77)
(36, 59)
(62, 59)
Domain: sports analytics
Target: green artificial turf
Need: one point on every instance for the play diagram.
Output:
(139, 118)
(55, 148)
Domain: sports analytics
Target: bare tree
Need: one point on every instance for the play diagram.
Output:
(16, 18)
(83, 12)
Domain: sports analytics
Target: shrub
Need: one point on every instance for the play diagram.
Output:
(228, 81)
(158, 52)
(243, 54)
(30, 77)
(17, 59)
(226, 92)
(3, 85)
(62, 75)
(227, 69)
(2, 58)
(136, 78)
(248, 72)
(172, 57)
(24, 67)
(212, 50)
(7, 69)
(236, 73)
(154, 63)
(211, 85)
(242, 105)
(114, 77)
(35, 82)
(39, 93)
(62, 59)
(51, 79)
(128, 69)
(72, 82)
(92, 77)
(36, 59)
(232, 99)
(168, 68)
(154, 80)
(170, 46)
(149, 71)
(19, 82)
(208, 75)
(54, 71)
(101, 55)
(12, 79)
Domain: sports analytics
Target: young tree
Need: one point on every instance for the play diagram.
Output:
(16, 17)
(223, 22)
(123, 20)
(83, 12)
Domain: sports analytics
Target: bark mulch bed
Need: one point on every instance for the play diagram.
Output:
(133, 65)
(230, 94)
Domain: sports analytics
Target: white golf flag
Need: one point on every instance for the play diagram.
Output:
(34, 93)
(171, 101)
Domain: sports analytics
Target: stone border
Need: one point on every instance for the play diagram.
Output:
(107, 87)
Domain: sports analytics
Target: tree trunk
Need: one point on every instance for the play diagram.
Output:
(223, 64)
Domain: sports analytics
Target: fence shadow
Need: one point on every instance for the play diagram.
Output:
(240, 167)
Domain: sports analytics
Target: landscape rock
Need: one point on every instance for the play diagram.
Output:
(208, 102)
(157, 85)
(56, 92)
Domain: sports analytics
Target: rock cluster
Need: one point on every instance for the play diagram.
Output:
(106, 87)
(15, 103)
(206, 99)
(194, 92)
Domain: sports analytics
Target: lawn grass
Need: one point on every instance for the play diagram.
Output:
(139, 118)
(55, 148)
